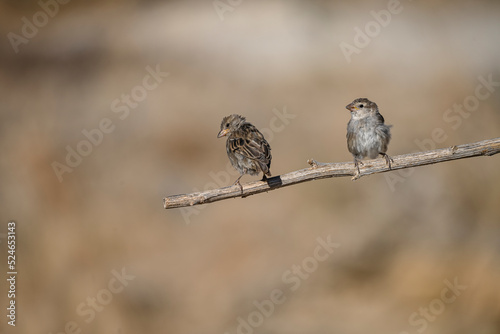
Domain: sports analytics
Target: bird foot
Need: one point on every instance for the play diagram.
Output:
(357, 175)
(237, 182)
(388, 159)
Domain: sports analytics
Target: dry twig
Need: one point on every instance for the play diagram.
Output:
(326, 170)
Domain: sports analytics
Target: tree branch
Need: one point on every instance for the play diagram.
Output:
(326, 170)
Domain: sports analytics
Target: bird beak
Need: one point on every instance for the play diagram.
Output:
(222, 133)
(351, 107)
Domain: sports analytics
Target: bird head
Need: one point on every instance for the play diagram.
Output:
(362, 106)
(230, 124)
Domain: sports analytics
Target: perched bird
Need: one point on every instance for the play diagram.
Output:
(247, 149)
(367, 135)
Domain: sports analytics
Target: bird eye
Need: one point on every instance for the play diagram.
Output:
(361, 106)
(227, 125)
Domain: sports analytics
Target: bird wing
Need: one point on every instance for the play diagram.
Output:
(380, 118)
(383, 130)
(250, 143)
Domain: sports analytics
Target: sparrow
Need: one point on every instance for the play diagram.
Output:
(367, 135)
(247, 149)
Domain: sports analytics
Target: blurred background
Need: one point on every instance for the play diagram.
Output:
(109, 106)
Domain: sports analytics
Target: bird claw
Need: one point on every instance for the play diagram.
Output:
(357, 175)
(388, 160)
(241, 187)
(237, 182)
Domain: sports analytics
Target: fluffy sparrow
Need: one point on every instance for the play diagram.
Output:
(367, 135)
(246, 147)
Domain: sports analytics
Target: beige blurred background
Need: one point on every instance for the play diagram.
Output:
(403, 237)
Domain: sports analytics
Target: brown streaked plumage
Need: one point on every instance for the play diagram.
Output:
(247, 149)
